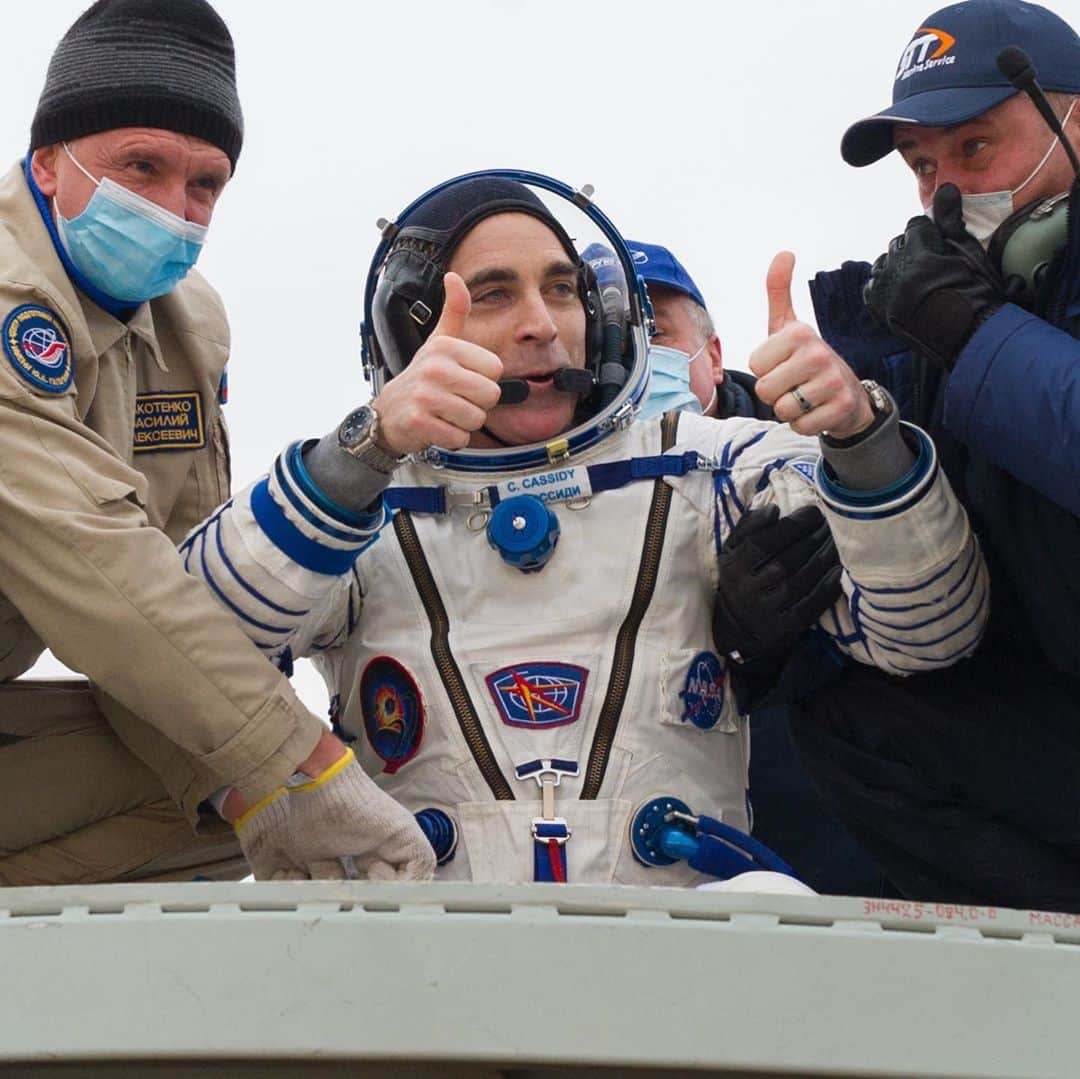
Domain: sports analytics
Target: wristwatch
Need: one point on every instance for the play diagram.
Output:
(881, 405)
(880, 401)
(357, 435)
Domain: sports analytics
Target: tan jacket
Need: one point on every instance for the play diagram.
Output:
(98, 481)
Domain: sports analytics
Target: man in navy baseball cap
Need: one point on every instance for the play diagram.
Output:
(948, 72)
(687, 361)
(962, 784)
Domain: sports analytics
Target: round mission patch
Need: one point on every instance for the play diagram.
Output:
(393, 711)
(38, 347)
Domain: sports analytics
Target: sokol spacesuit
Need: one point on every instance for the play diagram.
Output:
(527, 647)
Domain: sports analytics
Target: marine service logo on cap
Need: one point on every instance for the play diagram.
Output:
(928, 49)
(37, 345)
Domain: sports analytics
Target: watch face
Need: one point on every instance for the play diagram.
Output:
(355, 426)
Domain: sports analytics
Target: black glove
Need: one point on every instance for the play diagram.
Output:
(778, 575)
(935, 285)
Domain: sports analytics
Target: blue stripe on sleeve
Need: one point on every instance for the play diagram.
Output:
(907, 646)
(287, 538)
(935, 618)
(212, 585)
(251, 591)
(925, 584)
(308, 515)
(363, 522)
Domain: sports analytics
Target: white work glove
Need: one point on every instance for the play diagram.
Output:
(263, 832)
(342, 814)
(336, 826)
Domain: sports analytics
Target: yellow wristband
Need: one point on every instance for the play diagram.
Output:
(261, 804)
(339, 765)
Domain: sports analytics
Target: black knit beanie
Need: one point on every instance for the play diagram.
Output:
(143, 63)
(446, 217)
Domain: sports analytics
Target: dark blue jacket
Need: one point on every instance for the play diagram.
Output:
(735, 397)
(1007, 426)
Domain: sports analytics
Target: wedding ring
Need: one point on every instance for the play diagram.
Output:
(801, 398)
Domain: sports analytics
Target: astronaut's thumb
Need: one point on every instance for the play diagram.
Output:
(456, 308)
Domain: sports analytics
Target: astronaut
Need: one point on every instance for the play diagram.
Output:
(525, 654)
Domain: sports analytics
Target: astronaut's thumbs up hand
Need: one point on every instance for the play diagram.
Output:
(778, 290)
(446, 392)
(806, 383)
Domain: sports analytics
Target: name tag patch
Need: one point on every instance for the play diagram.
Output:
(558, 485)
(37, 344)
(168, 421)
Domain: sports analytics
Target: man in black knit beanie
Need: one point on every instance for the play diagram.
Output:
(112, 445)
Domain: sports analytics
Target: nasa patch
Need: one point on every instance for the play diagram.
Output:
(703, 693)
(393, 712)
(38, 346)
(806, 469)
(535, 695)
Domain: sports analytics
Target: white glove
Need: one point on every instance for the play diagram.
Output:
(342, 814)
(263, 832)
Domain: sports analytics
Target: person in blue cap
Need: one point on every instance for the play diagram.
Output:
(685, 351)
(962, 783)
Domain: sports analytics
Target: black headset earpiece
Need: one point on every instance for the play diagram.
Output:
(1024, 245)
(594, 315)
(405, 307)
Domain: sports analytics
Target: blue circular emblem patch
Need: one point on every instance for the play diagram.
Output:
(703, 694)
(38, 347)
(393, 711)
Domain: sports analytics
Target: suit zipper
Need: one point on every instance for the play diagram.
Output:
(622, 664)
(445, 664)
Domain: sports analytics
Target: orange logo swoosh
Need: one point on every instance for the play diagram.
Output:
(947, 40)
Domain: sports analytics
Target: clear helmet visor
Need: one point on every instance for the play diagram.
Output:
(554, 294)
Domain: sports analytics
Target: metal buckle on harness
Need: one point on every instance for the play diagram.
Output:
(478, 499)
(548, 775)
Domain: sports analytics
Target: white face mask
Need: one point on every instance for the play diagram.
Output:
(984, 214)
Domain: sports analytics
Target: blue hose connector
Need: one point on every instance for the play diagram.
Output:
(441, 833)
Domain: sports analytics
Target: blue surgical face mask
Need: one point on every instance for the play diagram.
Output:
(127, 246)
(669, 386)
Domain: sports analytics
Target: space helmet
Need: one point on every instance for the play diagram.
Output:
(404, 296)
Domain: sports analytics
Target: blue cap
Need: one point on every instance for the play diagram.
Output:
(948, 72)
(658, 266)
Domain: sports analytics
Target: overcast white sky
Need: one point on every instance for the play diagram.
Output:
(712, 128)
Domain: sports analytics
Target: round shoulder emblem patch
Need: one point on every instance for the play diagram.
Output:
(38, 346)
(393, 711)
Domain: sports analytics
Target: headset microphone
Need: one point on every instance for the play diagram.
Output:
(1016, 66)
(513, 391)
(566, 379)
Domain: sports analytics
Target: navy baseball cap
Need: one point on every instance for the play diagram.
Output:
(948, 72)
(658, 266)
